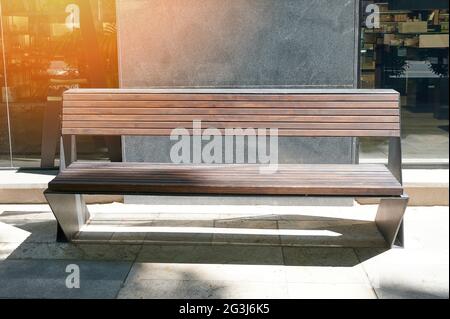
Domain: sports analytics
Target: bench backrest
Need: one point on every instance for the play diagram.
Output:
(156, 112)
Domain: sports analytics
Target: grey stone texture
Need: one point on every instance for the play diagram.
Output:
(214, 43)
(239, 43)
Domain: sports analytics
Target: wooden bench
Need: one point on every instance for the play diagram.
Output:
(298, 113)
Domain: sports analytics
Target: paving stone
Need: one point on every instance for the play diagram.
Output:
(6, 249)
(94, 236)
(181, 231)
(76, 251)
(211, 254)
(195, 289)
(188, 216)
(182, 223)
(338, 233)
(180, 238)
(102, 218)
(246, 239)
(330, 291)
(136, 223)
(421, 270)
(41, 231)
(173, 289)
(320, 257)
(104, 222)
(427, 228)
(26, 215)
(47, 279)
(209, 272)
(125, 237)
(326, 275)
(407, 273)
(250, 233)
(12, 234)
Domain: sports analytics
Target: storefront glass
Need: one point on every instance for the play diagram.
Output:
(5, 155)
(405, 46)
(50, 46)
(53, 45)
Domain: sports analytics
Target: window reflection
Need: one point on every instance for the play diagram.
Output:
(5, 139)
(407, 49)
(51, 46)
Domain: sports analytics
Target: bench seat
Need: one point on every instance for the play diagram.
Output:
(233, 179)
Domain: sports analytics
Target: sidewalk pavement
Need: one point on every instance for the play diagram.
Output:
(224, 252)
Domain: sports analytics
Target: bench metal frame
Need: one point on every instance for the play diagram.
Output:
(388, 219)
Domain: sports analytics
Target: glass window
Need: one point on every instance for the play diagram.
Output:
(5, 152)
(51, 46)
(405, 46)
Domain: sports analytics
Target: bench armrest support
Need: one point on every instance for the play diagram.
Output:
(68, 151)
(395, 158)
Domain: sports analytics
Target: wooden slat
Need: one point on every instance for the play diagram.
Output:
(228, 111)
(292, 178)
(72, 96)
(266, 125)
(235, 118)
(232, 104)
(230, 190)
(350, 180)
(230, 91)
(231, 167)
(281, 132)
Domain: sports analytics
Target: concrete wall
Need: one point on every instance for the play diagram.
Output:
(239, 43)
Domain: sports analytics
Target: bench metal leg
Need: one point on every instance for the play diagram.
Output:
(400, 240)
(60, 236)
(71, 213)
(389, 219)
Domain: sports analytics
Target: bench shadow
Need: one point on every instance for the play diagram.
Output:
(41, 171)
(299, 240)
